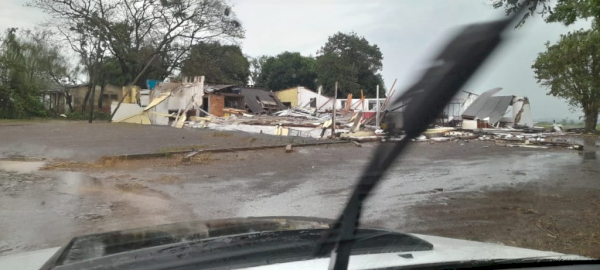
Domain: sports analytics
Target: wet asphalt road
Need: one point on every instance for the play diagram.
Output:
(44, 208)
(78, 140)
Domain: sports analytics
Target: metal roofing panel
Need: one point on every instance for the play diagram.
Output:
(479, 103)
(500, 108)
(492, 107)
(252, 93)
(219, 86)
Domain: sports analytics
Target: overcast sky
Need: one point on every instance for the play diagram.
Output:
(406, 31)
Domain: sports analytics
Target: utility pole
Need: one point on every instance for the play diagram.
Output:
(92, 103)
(333, 116)
(377, 108)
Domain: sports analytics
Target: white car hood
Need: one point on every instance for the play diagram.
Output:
(444, 250)
(29, 260)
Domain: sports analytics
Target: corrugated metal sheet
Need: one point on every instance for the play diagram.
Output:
(218, 87)
(479, 103)
(486, 106)
(253, 95)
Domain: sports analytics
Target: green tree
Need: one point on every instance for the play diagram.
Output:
(577, 84)
(562, 11)
(287, 70)
(135, 31)
(28, 65)
(221, 64)
(256, 68)
(351, 61)
(570, 69)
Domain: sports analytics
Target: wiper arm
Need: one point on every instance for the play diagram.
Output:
(423, 103)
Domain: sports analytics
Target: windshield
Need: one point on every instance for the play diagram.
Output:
(119, 116)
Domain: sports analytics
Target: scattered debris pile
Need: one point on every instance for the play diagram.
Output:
(506, 120)
(508, 137)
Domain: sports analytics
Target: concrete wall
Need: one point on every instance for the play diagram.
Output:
(369, 104)
(188, 90)
(301, 96)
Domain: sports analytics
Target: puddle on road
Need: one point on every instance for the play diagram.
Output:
(21, 166)
(77, 183)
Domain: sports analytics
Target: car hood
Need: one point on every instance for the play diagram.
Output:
(98, 245)
(446, 250)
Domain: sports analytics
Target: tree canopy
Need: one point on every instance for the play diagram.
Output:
(256, 64)
(134, 31)
(564, 11)
(286, 70)
(221, 64)
(28, 65)
(570, 69)
(351, 61)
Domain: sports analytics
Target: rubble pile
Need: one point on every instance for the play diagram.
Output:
(507, 137)
(505, 120)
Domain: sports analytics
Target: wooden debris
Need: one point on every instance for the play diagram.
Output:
(189, 156)
(234, 111)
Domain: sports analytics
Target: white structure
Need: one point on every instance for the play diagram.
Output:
(159, 104)
(305, 98)
(511, 111)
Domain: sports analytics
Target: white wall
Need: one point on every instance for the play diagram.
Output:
(305, 94)
(183, 93)
(526, 118)
(357, 106)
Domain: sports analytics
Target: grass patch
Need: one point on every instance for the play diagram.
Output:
(221, 134)
(565, 126)
(77, 115)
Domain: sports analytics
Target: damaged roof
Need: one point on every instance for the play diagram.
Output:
(257, 99)
(487, 106)
(218, 87)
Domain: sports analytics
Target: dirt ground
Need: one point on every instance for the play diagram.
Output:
(536, 198)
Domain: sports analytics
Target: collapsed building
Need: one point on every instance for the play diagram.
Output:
(489, 111)
(179, 101)
(299, 111)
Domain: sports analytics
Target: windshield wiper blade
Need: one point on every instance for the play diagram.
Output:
(422, 103)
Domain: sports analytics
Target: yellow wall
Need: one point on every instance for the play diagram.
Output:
(133, 96)
(110, 90)
(288, 95)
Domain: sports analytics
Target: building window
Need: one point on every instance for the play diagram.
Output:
(114, 97)
(344, 103)
(372, 105)
(313, 102)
